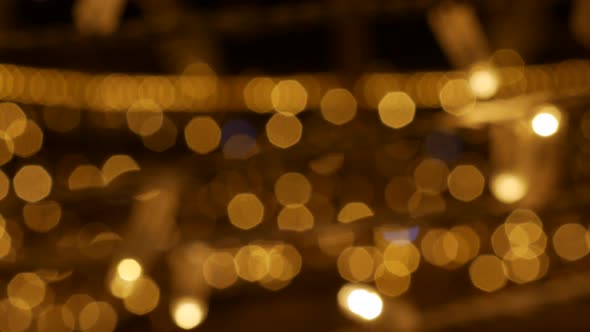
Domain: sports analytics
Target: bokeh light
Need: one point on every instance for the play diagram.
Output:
(144, 296)
(508, 187)
(456, 97)
(188, 312)
(245, 211)
(118, 165)
(283, 130)
(484, 82)
(295, 218)
(396, 109)
(202, 134)
(466, 183)
(431, 176)
(32, 183)
(546, 122)
(292, 189)
(338, 106)
(219, 270)
(571, 241)
(354, 211)
(289, 97)
(488, 273)
(129, 269)
(361, 301)
(42, 216)
(26, 290)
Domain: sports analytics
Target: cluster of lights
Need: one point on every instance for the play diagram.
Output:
(198, 88)
(140, 103)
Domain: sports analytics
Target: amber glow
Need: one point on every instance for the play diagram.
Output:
(546, 122)
(129, 269)
(360, 301)
(508, 187)
(188, 313)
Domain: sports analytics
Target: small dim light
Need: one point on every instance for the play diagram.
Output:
(129, 269)
(546, 122)
(188, 313)
(361, 301)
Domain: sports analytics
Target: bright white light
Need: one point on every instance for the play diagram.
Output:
(129, 269)
(546, 123)
(483, 83)
(508, 187)
(188, 313)
(361, 301)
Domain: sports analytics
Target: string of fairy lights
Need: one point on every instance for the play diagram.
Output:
(199, 89)
(143, 104)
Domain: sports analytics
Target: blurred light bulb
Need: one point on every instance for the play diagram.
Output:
(360, 301)
(484, 83)
(508, 187)
(188, 313)
(546, 122)
(129, 269)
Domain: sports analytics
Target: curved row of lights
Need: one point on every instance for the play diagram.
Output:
(199, 89)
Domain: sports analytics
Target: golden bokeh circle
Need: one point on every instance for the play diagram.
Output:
(32, 183)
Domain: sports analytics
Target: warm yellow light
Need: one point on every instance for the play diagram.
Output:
(396, 109)
(4, 185)
(26, 290)
(144, 296)
(32, 183)
(570, 241)
(188, 313)
(145, 117)
(292, 189)
(466, 183)
(163, 139)
(219, 270)
(401, 258)
(338, 106)
(117, 165)
(360, 301)
(431, 175)
(42, 216)
(354, 211)
(508, 187)
(289, 97)
(295, 218)
(456, 97)
(245, 211)
(488, 273)
(202, 134)
(546, 122)
(129, 269)
(357, 263)
(483, 82)
(283, 130)
(84, 177)
(30, 141)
